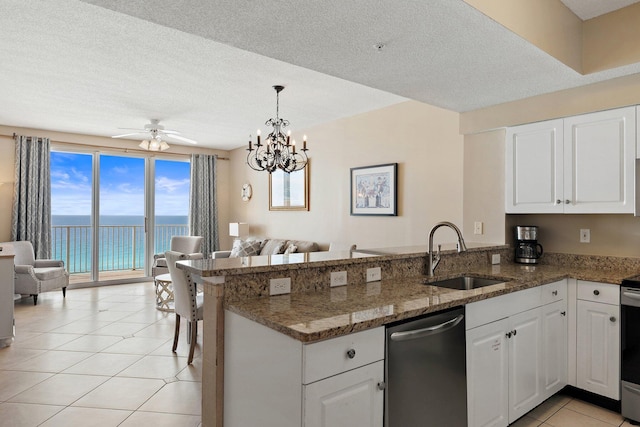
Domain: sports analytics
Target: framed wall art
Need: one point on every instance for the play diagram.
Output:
(374, 190)
(289, 191)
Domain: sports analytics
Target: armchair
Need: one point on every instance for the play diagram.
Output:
(189, 245)
(34, 276)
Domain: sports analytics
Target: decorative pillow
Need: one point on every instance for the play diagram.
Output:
(242, 248)
(273, 247)
(291, 249)
(304, 245)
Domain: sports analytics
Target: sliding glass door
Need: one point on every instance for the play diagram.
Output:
(121, 219)
(104, 207)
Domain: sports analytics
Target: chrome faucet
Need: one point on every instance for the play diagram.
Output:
(434, 259)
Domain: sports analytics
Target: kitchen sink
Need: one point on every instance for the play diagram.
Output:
(464, 282)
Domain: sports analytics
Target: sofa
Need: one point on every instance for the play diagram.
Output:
(266, 246)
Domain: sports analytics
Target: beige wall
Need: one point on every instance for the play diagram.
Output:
(483, 185)
(613, 235)
(7, 155)
(422, 139)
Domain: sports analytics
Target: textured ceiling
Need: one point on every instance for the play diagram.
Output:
(206, 67)
(587, 9)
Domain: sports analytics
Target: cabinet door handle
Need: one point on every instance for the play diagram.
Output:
(612, 318)
(382, 385)
(596, 292)
(564, 313)
(558, 202)
(566, 202)
(554, 293)
(508, 334)
(351, 353)
(514, 332)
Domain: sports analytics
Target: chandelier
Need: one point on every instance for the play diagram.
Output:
(278, 150)
(155, 143)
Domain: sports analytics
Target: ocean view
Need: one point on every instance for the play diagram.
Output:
(121, 240)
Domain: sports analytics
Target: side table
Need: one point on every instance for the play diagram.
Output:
(164, 292)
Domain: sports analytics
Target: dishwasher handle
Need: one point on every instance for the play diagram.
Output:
(425, 332)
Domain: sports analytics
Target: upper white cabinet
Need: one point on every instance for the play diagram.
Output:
(581, 164)
(533, 175)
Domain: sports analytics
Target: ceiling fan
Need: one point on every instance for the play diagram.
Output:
(157, 134)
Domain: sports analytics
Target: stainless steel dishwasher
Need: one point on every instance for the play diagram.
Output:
(425, 371)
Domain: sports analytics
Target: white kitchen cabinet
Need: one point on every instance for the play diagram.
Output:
(510, 353)
(525, 362)
(534, 168)
(504, 357)
(6, 296)
(554, 348)
(352, 398)
(291, 384)
(580, 164)
(598, 339)
(488, 375)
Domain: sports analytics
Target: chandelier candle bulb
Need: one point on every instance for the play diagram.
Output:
(294, 146)
(304, 143)
(258, 133)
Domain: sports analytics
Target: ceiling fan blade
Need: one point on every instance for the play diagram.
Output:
(182, 138)
(128, 134)
(170, 132)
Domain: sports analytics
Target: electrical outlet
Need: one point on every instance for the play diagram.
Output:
(478, 227)
(374, 274)
(495, 259)
(280, 286)
(338, 278)
(585, 235)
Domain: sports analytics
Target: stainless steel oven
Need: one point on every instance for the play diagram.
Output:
(630, 343)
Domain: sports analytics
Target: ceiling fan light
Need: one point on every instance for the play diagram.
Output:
(154, 145)
(144, 145)
(164, 146)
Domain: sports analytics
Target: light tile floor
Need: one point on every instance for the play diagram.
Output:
(563, 411)
(100, 357)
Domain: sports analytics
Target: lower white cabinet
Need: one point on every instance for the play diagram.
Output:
(515, 362)
(272, 380)
(598, 346)
(488, 375)
(352, 398)
(554, 348)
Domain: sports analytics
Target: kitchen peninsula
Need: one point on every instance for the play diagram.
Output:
(314, 313)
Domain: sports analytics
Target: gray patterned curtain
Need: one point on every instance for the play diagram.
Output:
(31, 216)
(203, 209)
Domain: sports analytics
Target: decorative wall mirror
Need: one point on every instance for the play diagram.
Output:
(289, 191)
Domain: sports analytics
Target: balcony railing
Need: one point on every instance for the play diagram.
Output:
(120, 247)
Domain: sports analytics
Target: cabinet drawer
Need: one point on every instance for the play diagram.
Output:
(323, 359)
(552, 292)
(492, 309)
(599, 292)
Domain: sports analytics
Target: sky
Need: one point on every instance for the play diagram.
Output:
(121, 185)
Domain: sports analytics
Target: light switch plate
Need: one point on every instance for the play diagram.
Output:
(585, 235)
(280, 286)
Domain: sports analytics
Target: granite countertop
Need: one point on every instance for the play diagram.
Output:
(319, 315)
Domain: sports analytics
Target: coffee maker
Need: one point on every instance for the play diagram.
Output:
(528, 250)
